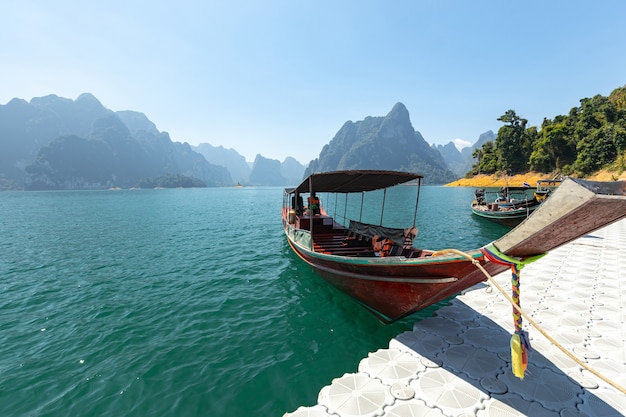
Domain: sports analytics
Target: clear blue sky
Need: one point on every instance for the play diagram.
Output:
(280, 78)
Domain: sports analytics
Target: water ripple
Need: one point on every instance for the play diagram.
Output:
(168, 302)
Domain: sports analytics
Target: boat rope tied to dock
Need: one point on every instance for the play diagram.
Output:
(520, 343)
(530, 320)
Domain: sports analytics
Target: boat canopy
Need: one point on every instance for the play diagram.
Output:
(353, 181)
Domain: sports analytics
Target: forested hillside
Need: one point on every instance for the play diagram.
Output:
(591, 137)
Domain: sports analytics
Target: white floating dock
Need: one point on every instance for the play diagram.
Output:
(458, 363)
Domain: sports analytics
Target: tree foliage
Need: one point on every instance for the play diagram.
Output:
(589, 138)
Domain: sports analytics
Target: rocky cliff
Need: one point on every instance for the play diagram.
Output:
(387, 143)
(59, 143)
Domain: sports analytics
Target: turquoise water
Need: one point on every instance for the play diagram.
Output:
(180, 302)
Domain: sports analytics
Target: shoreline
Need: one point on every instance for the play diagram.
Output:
(496, 180)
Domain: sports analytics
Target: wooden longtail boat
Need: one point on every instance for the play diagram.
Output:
(379, 267)
(509, 217)
(509, 206)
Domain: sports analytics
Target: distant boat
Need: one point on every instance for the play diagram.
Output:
(545, 187)
(508, 206)
(379, 267)
(238, 185)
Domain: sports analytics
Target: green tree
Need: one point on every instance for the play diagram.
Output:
(590, 137)
(595, 128)
(619, 137)
(478, 156)
(553, 148)
(512, 143)
(618, 98)
(595, 150)
(488, 162)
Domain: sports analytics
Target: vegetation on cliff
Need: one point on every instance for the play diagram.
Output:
(591, 137)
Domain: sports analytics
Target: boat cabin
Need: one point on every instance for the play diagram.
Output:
(322, 233)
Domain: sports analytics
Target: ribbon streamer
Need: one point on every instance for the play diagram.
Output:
(520, 342)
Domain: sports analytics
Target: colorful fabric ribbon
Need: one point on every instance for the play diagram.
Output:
(520, 343)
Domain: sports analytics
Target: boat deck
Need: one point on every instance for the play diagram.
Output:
(335, 243)
(458, 363)
(332, 238)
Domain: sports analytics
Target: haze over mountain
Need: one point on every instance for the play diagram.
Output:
(235, 163)
(58, 143)
(262, 171)
(386, 143)
(460, 162)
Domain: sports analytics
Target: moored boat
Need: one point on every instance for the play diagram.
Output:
(508, 206)
(545, 188)
(379, 266)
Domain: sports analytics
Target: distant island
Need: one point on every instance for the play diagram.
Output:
(171, 181)
(262, 172)
(385, 143)
(55, 143)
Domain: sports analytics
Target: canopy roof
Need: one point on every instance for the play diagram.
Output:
(353, 181)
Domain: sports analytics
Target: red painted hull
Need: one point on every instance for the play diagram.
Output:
(392, 289)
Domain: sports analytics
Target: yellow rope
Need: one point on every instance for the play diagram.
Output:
(531, 321)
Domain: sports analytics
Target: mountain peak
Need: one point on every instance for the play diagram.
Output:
(50, 99)
(88, 99)
(388, 142)
(398, 111)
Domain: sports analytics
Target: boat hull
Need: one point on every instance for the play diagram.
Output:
(395, 287)
(509, 218)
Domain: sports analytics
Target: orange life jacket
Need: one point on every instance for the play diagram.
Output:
(382, 245)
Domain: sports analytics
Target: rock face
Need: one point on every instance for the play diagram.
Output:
(386, 143)
(263, 172)
(228, 158)
(455, 161)
(266, 172)
(460, 162)
(58, 143)
(292, 171)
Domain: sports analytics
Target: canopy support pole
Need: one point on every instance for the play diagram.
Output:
(419, 187)
(382, 211)
(361, 212)
(311, 214)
